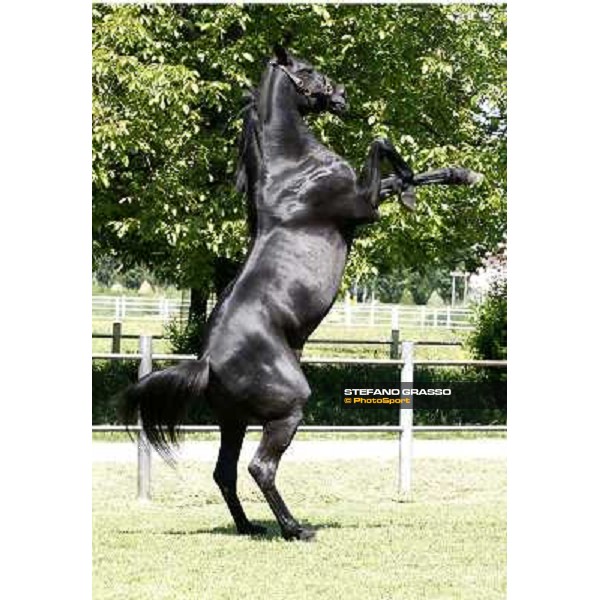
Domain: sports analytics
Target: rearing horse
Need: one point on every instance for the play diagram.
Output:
(304, 203)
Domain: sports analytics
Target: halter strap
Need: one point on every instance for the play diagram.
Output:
(298, 83)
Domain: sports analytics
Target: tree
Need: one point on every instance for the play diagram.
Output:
(162, 158)
(168, 81)
(489, 339)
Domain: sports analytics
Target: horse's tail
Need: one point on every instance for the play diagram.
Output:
(161, 399)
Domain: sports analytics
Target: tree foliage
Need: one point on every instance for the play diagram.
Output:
(489, 340)
(168, 82)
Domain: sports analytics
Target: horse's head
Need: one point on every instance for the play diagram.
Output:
(315, 92)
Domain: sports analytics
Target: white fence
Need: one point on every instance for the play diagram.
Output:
(343, 314)
(388, 315)
(120, 308)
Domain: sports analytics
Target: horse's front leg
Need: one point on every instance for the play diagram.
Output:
(395, 184)
(447, 176)
(373, 187)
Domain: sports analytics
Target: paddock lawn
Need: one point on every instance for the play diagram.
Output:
(448, 542)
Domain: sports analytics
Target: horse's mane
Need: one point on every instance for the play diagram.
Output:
(249, 137)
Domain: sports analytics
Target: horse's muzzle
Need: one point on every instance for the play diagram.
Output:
(337, 100)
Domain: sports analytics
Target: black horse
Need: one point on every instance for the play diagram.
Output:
(304, 204)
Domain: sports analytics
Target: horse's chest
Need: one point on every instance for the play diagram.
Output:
(310, 182)
(326, 179)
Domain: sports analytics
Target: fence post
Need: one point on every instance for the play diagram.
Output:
(144, 455)
(347, 310)
(406, 421)
(453, 290)
(394, 346)
(116, 337)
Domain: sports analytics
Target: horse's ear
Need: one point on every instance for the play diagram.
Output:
(281, 54)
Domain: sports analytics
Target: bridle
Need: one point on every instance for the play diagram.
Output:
(300, 86)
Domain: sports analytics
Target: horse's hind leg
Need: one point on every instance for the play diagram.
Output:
(225, 476)
(276, 437)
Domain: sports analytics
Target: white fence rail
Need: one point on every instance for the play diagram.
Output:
(343, 314)
(413, 317)
(120, 308)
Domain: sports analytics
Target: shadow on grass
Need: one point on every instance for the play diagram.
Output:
(273, 531)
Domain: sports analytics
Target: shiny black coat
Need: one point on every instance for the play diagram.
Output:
(304, 204)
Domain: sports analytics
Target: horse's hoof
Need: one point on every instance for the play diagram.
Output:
(305, 534)
(252, 529)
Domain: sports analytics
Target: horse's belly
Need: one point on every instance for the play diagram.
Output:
(309, 280)
(313, 286)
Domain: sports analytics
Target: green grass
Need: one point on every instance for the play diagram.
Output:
(448, 542)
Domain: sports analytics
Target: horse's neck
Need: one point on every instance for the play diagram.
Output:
(285, 134)
(284, 138)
